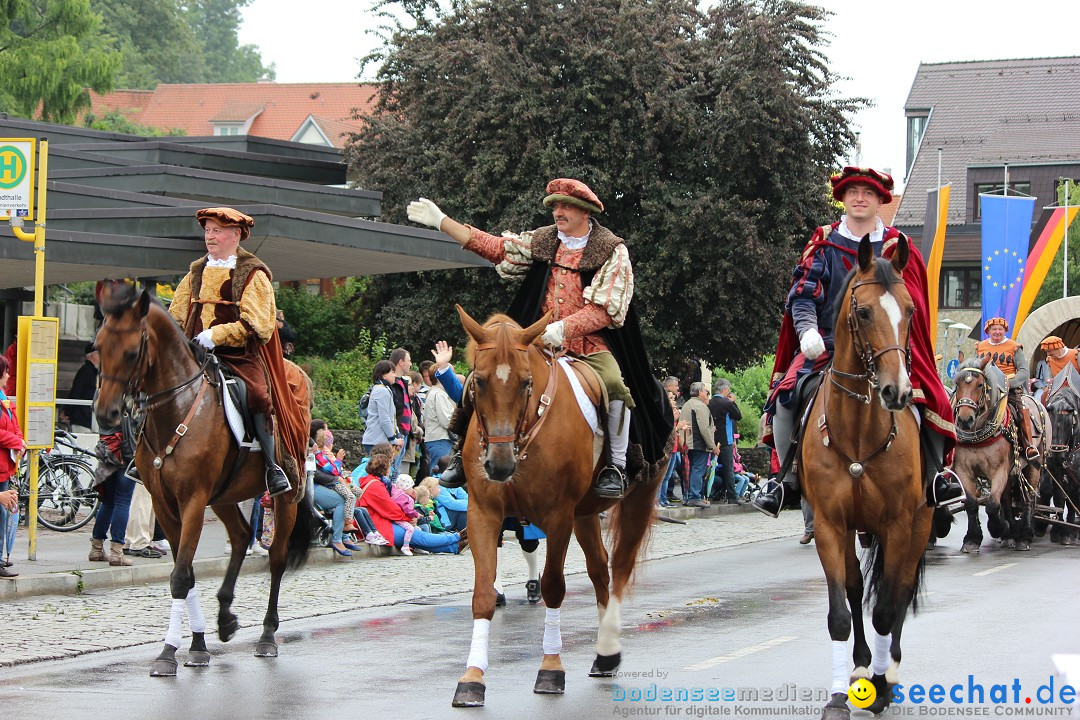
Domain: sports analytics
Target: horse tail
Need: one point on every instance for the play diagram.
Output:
(874, 576)
(302, 532)
(630, 521)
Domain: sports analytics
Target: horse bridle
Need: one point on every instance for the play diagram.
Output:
(865, 350)
(524, 433)
(991, 428)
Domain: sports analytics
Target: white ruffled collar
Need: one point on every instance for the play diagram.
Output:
(876, 236)
(575, 243)
(229, 262)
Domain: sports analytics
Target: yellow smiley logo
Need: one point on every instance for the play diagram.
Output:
(861, 694)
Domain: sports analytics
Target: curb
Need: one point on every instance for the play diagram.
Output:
(76, 582)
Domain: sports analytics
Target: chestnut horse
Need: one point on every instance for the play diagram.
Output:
(529, 451)
(988, 451)
(861, 471)
(185, 457)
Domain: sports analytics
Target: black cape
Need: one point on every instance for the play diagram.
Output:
(652, 420)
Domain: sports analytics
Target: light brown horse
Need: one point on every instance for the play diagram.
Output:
(541, 466)
(185, 457)
(861, 471)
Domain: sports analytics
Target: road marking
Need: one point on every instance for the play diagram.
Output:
(742, 652)
(993, 569)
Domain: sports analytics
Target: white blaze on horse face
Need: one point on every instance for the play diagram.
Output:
(503, 372)
(895, 314)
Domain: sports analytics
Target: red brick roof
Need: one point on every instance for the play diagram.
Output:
(284, 106)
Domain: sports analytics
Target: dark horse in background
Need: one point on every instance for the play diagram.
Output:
(530, 452)
(862, 471)
(1061, 484)
(989, 460)
(186, 458)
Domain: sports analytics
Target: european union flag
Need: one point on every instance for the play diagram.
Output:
(1006, 230)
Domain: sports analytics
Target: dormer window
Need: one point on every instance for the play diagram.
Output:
(228, 128)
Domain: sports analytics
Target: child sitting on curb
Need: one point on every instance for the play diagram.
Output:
(399, 494)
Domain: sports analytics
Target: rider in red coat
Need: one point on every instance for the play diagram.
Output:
(806, 334)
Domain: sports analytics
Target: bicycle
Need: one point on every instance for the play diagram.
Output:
(67, 499)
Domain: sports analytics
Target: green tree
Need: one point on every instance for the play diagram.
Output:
(215, 23)
(157, 42)
(50, 53)
(706, 134)
(324, 325)
(115, 121)
(1054, 283)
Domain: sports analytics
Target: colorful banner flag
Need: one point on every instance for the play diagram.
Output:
(933, 248)
(1045, 242)
(1006, 229)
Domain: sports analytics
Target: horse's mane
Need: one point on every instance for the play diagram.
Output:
(995, 377)
(884, 273)
(503, 325)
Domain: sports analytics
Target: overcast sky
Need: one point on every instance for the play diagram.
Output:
(877, 45)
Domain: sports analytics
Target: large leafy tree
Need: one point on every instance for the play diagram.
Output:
(215, 23)
(157, 42)
(50, 52)
(706, 134)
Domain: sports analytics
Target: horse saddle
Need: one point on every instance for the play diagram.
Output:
(589, 392)
(234, 400)
(806, 389)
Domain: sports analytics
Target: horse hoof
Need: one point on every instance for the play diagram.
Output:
(970, 547)
(550, 682)
(469, 694)
(605, 665)
(196, 658)
(265, 649)
(1022, 546)
(227, 629)
(163, 667)
(837, 709)
(884, 690)
(1008, 543)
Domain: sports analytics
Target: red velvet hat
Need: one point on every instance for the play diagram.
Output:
(881, 182)
(228, 217)
(575, 192)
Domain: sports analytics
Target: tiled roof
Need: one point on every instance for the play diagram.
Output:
(284, 106)
(888, 212)
(988, 113)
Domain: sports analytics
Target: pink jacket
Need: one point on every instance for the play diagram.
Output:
(404, 501)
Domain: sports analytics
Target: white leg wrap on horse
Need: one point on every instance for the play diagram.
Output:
(881, 656)
(840, 680)
(607, 639)
(532, 559)
(196, 619)
(552, 632)
(478, 651)
(176, 621)
(619, 430)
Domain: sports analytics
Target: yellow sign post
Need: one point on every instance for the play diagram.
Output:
(39, 336)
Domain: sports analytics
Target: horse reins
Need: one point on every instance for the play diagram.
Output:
(524, 432)
(994, 426)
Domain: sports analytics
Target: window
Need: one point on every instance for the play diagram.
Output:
(1022, 187)
(226, 129)
(916, 126)
(961, 288)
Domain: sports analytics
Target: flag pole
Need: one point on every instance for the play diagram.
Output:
(1065, 273)
(939, 168)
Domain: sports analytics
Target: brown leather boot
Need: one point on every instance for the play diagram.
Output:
(97, 551)
(1030, 451)
(117, 556)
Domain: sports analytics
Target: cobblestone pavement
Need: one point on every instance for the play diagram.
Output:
(53, 627)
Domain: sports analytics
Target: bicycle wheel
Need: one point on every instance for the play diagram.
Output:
(66, 496)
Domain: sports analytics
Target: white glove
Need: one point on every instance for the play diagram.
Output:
(205, 339)
(425, 212)
(555, 334)
(811, 344)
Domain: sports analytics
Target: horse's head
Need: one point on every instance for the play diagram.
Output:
(501, 387)
(123, 346)
(1064, 420)
(876, 314)
(978, 391)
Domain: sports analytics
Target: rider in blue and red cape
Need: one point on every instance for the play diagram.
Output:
(806, 334)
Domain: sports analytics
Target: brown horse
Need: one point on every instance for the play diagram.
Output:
(530, 452)
(861, 471)
(185, 457)
(988, 451)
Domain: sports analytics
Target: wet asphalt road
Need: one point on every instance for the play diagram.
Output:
(750, 618)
